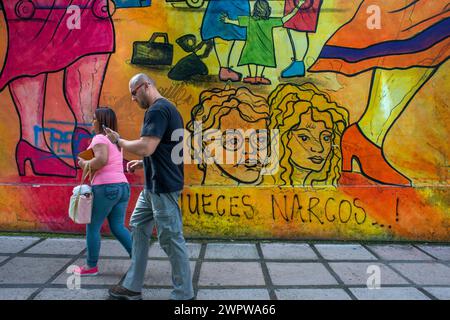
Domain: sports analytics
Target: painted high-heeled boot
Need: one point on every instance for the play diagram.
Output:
(43, 163)
(81, 139)
(370, 158)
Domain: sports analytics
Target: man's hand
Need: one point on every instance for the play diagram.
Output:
(112, 135)
(133, 165)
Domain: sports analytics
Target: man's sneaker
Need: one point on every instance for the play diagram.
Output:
(85, 271)
(122, 293)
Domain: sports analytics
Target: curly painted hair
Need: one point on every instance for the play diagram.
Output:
(288, 103)
(217, 103)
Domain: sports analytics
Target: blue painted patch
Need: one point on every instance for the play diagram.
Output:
(132, 3)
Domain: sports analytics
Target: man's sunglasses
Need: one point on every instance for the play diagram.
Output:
(134, 92)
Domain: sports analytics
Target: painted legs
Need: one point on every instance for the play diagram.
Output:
(300, 45)
(223, 51)
(391, 92)
(83, 82)
(82, 86)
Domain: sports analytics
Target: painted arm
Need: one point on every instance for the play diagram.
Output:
(143, 147)
(224, 18)
(289, 16)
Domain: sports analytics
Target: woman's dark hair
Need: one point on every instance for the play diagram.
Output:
(106, 117)
(262, 10)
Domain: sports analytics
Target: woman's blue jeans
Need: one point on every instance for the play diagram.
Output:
(110, 201)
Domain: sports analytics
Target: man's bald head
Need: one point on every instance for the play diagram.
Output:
(139, 79)
(143, 90)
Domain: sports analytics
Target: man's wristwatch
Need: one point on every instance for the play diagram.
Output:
(117, 140)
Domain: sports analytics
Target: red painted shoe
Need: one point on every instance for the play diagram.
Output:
(43, 163)
(226, 74)
(85, 271)
(81, 139)
(251, 80)
(370, 158)
(263, 80)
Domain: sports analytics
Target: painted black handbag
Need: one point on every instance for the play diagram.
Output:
(152, 53)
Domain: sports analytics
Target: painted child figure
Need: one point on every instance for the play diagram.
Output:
(259, 47)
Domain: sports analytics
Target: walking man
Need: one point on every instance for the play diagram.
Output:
(158, 202)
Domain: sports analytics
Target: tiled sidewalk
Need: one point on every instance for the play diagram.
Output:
(36, 268)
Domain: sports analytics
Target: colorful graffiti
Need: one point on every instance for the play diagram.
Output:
(304, 118)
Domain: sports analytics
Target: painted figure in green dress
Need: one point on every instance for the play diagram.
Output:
(259, 50)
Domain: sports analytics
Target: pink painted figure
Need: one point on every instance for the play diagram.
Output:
(43, 38)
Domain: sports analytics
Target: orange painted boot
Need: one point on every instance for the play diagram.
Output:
(228, 74)
(370, 158)
(263, 80)
(251, 80)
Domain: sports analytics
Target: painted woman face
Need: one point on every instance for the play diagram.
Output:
(310, 144)
(245, 149)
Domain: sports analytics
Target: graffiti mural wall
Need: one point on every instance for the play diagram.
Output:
(318, 119)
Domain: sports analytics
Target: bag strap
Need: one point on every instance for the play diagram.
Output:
(156, 35)
(86, 171)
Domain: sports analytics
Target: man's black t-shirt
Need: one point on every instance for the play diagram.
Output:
(162, 175)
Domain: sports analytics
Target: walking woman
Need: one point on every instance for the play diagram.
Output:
(110, 188)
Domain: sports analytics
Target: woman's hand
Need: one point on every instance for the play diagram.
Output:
(82, 163)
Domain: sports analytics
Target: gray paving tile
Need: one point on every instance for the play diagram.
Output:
(287, 251)
(431, 273)
(308, 273)
(312, 294)
(75, 294)
(388, 294)
(231, 273)
(439, 252)
(358, 273)
(15, 244)
(159, 273)
(3, 259)
(112, 248)
(156, 294)
(233, 294)
(231, 251)
(440, 293)
(399, 252)
(15, 294)
(58, 246)
(156, 251)
(344, 252)
(30, 270)
(110, 272)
